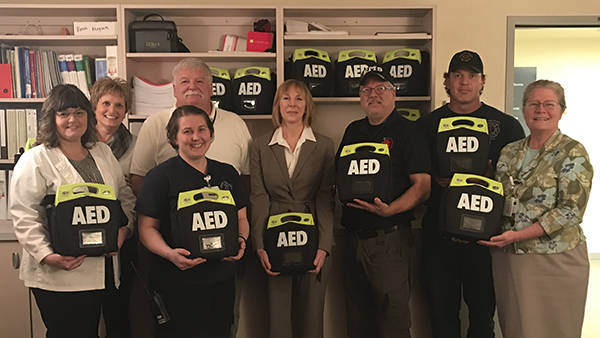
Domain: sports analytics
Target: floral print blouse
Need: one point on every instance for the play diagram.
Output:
(552, 189)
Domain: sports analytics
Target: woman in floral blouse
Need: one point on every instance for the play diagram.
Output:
(541, 273)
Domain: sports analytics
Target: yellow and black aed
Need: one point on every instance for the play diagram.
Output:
(221, 88)
(253, 90)
(351, 64)
(206, 223)
(291, 240)
(408, 70)
(410, 114)
(472, 207)
(364, 171)
(314, 68)
(462, 145)
(84, 219)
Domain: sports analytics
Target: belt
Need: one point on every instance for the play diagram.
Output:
(365, 234)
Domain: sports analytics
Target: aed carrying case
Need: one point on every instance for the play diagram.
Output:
(408, 70)
(314, 68)
(462, 145)
(206, 223)
(351, 64)
(410, 114)
(253, 89)
(84, 219)
(364, 171)
(472, 207)
(221, 88)
(291, 240)
(153, 36)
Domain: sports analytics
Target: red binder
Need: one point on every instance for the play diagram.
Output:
(5, 81)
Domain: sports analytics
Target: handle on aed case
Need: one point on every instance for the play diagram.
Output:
(297, 217)
(69, 192)
(188, 198)
(473, 123)
(378, 148)
(405, 53)
(153, 14)
(461, 180)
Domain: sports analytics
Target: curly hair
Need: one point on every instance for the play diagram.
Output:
(107, 85)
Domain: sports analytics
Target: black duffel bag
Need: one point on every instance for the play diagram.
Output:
(154, 36)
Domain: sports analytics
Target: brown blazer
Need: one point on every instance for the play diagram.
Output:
(272, 191)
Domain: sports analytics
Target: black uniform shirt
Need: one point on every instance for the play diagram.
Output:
(159, 193)
(408, 153)
(502, 128)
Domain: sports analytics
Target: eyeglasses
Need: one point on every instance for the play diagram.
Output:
(378, 90)
(65, 114)
(548, 105)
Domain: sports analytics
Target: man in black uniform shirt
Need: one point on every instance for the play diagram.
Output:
(376, 263)
(451, 265)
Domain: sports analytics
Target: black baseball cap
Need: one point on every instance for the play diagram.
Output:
(466, 60)
(375, 75)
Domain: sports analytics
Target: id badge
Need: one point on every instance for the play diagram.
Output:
(511, 206)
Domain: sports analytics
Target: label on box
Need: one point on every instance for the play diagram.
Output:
(95, 28)
(259, 41)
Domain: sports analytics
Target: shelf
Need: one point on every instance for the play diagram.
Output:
(142, 118)
(357, 37)
(17, 100)
(357, 99)
(216, 56)
(60, 40)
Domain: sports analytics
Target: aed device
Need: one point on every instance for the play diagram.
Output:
(291, 240)
(408, 69)
(253, 90)
(221, 88)
(84, 219)
(206, 223)
(462, 145)
(313, 67)
(472, 207)
(364, 172)
(350, 66)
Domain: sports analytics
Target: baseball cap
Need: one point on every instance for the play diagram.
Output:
(375, 75)
(466, 59)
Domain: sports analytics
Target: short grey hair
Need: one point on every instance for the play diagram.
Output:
(555, 86)
(191, 63)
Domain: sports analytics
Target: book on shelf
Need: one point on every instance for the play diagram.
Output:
(32, 71)
(88, 66)
(17, 127)
(17, 74)
(101, 70)
(64, 71)
(6, 86)
(112, 63)
(3, 149)
(80, 71)
(71, 69)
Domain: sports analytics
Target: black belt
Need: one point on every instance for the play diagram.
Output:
(365, 234)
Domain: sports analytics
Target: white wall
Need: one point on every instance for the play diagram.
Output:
(571, 57)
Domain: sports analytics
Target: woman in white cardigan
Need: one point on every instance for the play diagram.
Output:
(69, 290)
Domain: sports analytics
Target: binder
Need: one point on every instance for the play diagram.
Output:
(101, 68)
(21, 129)
(11, 132)
(64, 72)
(3, 148)
(6, 86)
(32, 73)
(80, 71)
(31, 121)
(71, 70)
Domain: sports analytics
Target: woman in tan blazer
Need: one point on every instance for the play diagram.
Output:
(291, 170)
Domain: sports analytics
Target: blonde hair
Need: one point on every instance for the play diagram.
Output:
(555, 86)
(282, 90)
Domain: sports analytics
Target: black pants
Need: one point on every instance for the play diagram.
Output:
(76, 314)
(451, 267)
(199, 311)
(377, 283)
